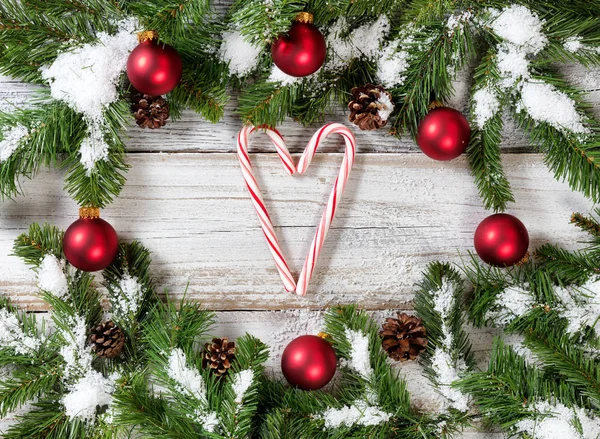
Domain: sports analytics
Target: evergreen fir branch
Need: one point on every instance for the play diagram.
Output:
(201, 89)
(172, 19)
(439, 302)
(38, 242)
(484, 148)
(504, 390)
(262, 23)
(26, 384)
(568, 267)
(587, 224)
(53, 127)
(427, 77)
(97, 187)
(44, 421)
(266, 103)
(151, 415)
(567, 361)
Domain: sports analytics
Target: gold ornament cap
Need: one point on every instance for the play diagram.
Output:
(89, 212)
(147, 35)
(325, 336)
(434, 104)
(304, 17)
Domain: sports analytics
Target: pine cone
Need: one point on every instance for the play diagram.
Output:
(150, 111)
(368, 104)
(404, 338)
(107, 340)
(219, 355)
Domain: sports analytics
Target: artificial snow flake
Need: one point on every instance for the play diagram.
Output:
(359, 356)
(241, 383)
(392, 64)
(447, 371)
(511, 303)
(545, 103)
(86, 78)
(359, 413)
(188, 380)
(12, 335)
(363, 41)
(557, 421)
(12, 139)
(277, 75)
(520, 27)
(128, 302)
(92, 390)
(93, 148)
(444, 299)
(580, 305)
(513, 66)
(573, 44)
(209, 421)
(51, 276)
(385, 106)
(456, 22)
(76, 353)
(242, 56)
(485, 105)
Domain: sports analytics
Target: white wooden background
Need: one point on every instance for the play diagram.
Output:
(185, 199)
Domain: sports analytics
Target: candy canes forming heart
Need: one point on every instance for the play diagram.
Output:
(334, 199)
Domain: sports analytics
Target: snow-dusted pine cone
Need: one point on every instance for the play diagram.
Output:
(150, 111)
(107, 340)
(370, 107)
(404, 338)
(219, 355)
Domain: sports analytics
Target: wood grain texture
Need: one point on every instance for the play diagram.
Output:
(399, 212)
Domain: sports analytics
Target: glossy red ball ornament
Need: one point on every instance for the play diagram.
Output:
(154, 68)
(308, 362)
(444, 134)
(302, 51)
(90, 243)
(501, 240)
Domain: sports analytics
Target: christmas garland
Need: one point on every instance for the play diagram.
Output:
(334, 49)
(139, 366)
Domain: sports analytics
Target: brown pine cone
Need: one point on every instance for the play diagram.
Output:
(404, 338)
(219, 355)
(367, 101)
(107, 340)
(150, 111)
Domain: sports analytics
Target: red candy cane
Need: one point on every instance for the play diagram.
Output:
(334, 199)
(258, 201)
(328, 215)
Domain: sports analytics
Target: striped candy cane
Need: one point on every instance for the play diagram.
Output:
(328, 215)
(258, 201)
(334, 199)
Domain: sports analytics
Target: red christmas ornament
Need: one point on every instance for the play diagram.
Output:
(302, 51)
(308, 362)
(90, 243)
(443, 134)
(153, 68)
(501, 240)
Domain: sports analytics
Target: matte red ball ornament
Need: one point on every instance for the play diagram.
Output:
(153, 68)
(501, 240)
(308, 362)
(302, 51)
(444, 134)
(90, 243)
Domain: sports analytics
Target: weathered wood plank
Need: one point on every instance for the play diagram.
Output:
(193, 211)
